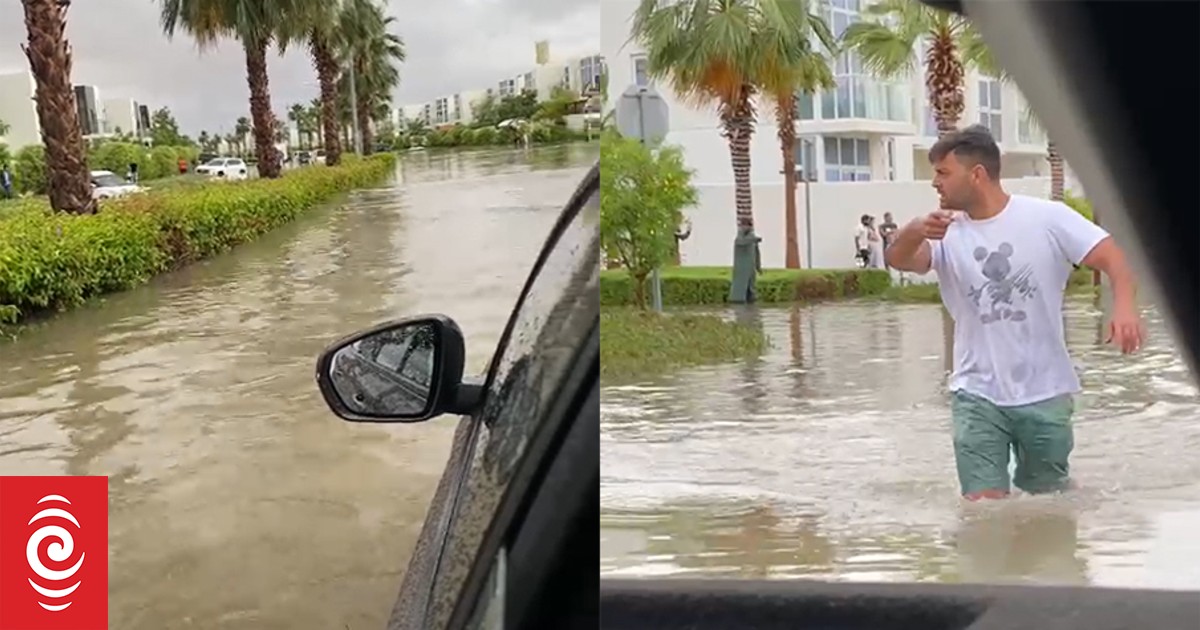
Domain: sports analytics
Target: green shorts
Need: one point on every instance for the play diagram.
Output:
(1040, 435)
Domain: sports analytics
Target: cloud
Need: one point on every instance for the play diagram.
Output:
(452, 45)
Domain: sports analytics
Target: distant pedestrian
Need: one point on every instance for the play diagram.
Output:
(6, 182)
(861, 252)
(887, 231)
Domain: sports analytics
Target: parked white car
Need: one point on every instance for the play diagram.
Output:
(225, 167)
(106, 185)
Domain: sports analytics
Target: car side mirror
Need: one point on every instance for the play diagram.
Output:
(409, 370)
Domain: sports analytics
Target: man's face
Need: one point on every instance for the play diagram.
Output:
(957, 183)
(887, 217)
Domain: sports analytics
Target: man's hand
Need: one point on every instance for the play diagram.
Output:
(935, 224)
(1125, 329)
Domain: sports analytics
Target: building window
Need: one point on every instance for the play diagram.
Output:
(991, 108)
(590, 69)
(806, 159)
(804, 106)
(566, 77)
(641, 75)
(849, 99)
(1028, 131)
(847, 159)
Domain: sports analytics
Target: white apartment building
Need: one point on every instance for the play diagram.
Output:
(18, 110)
(866, 129)
(875, 134)
(579, 74)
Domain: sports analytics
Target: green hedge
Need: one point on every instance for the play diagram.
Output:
(52, 261)
(29, 164)
(710, 285)
(694, 286)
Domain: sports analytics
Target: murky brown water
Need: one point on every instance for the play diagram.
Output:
(830, 458)
(237, 499)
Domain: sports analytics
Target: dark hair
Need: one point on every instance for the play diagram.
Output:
(974, 144)
(865, 219)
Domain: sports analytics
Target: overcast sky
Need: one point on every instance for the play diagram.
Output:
(452, 45)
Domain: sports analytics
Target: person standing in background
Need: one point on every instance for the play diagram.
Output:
(887, 230)
(6, 182)
(874, 246)
(861, 232)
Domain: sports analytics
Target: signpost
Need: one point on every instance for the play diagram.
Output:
(642, 113)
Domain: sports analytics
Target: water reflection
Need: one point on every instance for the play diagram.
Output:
(830, 456)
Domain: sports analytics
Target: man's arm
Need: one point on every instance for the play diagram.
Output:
(1110, 260)
(909, 250)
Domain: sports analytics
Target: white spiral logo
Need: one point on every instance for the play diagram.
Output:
(58, 551)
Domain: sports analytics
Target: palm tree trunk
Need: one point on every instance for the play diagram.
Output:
(785, 114)
(327, 72)
(944, 76)
(364, 124)
(260, 109)
(49, 54)
(1057, 177)
(737, 122)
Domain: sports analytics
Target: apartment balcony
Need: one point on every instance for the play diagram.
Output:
(858, 105)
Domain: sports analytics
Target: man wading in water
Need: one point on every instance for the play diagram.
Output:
(1002, 263)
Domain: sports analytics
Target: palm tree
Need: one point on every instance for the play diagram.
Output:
(790, 65)
(49, 54)
(886, 50)
(319, 30)
(705, 50)
(977, 53)
(296, 114)
(316, 120)
(367, 44)
(241, 128)
(256, 24)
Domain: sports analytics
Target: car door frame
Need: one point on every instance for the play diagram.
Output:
(589, 186)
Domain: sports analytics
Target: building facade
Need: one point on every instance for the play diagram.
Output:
(579, 74)
(18, 110)
(863, 145)
(91, 115)
(866, 129)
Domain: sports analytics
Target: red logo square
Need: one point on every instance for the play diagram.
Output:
(53, 553)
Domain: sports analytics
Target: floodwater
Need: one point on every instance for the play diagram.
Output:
(237, 500)
(830, 458)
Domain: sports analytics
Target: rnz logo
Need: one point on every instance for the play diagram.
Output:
(54, 586)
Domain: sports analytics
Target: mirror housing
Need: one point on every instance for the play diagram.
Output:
(421, 376)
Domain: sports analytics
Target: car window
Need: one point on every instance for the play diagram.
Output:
(555, 318)
(107, 179)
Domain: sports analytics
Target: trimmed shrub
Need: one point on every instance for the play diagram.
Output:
(710, 285)
(51, 261)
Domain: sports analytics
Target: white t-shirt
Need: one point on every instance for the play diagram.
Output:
(1003, 280)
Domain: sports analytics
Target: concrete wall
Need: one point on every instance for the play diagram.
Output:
(835, 209)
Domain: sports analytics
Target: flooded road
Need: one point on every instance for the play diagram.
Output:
(237, 500)
(830, 458)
